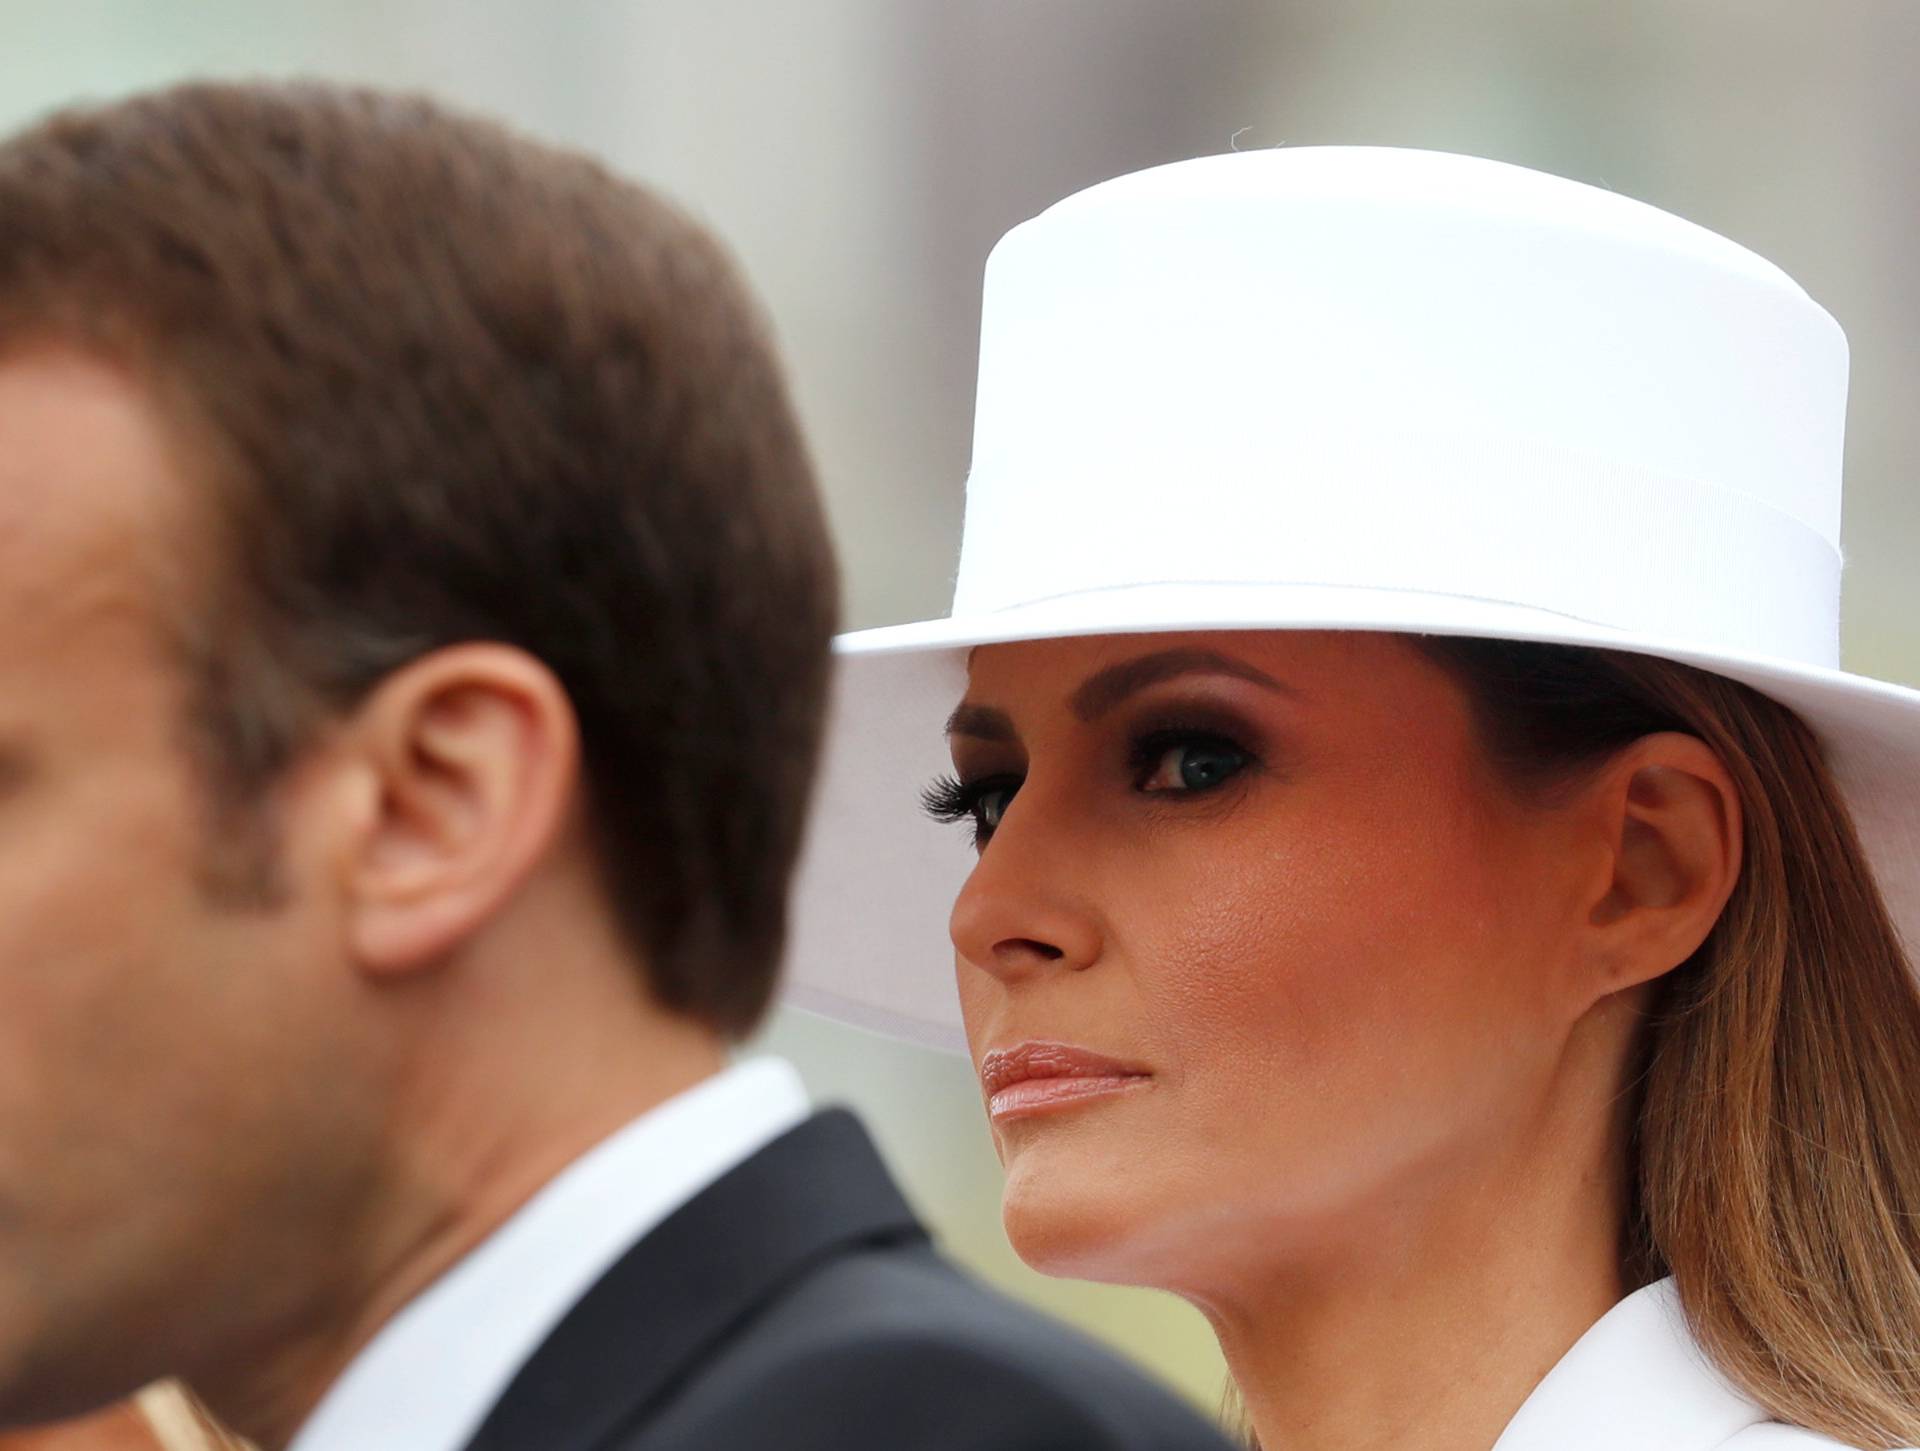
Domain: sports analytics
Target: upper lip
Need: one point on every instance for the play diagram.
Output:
(1002, 1067)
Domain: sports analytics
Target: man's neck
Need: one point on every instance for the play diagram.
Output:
(472, 1142)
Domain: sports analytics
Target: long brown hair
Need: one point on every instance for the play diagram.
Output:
(1776, 1149)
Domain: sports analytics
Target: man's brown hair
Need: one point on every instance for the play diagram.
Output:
(442, 383)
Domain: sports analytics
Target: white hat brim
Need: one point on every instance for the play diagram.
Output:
(877, 881)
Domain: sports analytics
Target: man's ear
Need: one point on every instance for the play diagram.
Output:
(466, 761)
(1669, 820)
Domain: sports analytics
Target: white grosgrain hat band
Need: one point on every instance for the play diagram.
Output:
(1473, 526)
(1359, 388)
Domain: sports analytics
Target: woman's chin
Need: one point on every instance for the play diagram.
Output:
(1071, 1224)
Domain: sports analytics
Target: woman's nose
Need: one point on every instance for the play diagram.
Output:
(1019, 912)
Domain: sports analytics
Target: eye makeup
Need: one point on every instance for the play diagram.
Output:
(1173, 751)
(982, 801)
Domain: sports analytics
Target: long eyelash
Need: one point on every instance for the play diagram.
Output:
(947, 799)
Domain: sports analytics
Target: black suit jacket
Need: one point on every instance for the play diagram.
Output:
(797, 1304)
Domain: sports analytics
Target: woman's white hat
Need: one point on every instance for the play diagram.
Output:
(1365, 388)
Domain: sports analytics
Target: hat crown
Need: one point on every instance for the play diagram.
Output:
(1403, 370)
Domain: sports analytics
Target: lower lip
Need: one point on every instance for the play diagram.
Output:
(1045, 1095)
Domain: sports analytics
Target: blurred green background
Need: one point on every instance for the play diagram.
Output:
(861, 156)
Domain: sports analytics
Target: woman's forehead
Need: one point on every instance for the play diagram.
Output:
(1364, 682)
(1370, 709)
(1287, 658)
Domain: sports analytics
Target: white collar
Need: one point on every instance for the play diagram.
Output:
(1635, 1380)
(430, 1375)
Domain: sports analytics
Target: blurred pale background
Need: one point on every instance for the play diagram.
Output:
(862, 155)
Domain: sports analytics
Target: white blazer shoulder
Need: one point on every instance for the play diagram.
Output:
(1637, 1382)
(1772, 1436)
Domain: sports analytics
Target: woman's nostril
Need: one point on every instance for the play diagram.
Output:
(1015, 947)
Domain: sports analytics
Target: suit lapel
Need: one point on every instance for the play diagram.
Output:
(694, 1280)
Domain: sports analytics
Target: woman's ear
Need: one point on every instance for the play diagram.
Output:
(1669, 817)
(467, 761)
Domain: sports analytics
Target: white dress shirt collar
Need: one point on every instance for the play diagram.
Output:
(1636, 1379)
(426, 1381)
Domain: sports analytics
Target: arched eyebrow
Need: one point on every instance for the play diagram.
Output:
(982, 722)
(1104, 689)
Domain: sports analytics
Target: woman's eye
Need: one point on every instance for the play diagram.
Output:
(988, 807)
(981, 802)
(1195, 764)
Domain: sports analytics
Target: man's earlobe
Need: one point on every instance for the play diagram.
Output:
(1673, 819)
(471, 755)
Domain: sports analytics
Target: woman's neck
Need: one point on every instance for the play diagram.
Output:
(1427, 1327)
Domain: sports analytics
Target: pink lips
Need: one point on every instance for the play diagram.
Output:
(1034, 1078)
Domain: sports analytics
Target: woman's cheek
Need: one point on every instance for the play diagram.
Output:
(1264, 941)
(1311, 978)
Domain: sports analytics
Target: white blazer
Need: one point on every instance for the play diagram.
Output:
(1637, 1382)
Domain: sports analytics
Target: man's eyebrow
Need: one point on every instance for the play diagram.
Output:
(983, 722)
(1105, 689)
